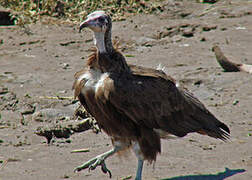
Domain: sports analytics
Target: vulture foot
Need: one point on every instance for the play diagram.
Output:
(100, 162)
(97, 161)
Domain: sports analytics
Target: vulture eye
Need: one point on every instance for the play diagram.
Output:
(101, 19)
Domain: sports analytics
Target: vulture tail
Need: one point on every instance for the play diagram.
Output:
(207, 123)
(214, 128)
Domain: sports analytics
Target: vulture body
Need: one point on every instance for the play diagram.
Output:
(136, 106)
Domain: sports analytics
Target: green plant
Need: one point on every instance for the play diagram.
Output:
(30, 11)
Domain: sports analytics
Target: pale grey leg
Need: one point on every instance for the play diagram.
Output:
(137, 150)
(139, 169)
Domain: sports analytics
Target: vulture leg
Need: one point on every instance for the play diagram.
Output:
(139, 169)
(139, 155)
(98, 160)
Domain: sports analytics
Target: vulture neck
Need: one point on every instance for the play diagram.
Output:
(103, 42)
(99, 42)
(108, 59)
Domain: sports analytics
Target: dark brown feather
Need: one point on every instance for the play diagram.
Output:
(133, 101)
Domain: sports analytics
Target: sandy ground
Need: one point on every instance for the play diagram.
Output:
(42, 64)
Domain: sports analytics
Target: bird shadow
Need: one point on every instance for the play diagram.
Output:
(218, 176)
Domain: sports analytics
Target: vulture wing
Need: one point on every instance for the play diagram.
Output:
(150, 98)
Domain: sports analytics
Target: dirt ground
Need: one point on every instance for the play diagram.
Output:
(37, 64)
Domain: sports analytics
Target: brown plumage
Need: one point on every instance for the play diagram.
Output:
(137, 106)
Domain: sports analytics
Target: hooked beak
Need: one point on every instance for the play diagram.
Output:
(84, 24)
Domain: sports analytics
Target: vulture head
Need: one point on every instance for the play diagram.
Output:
(97, 21)
(100, 23)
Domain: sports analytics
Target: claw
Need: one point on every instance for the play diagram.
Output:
(92, 167)
(105, 170)
(78, 169)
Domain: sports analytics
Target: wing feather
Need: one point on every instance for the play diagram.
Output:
(151, 99)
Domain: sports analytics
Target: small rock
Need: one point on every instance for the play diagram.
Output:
(61, 132)
(3, 90)
(67, 43)
(198, 82)
(83, 125)
(46, 132)
(176, 38)
(66, 176)
(223, 29)
(65, 65)
(8, 102)
(203, 39)
(240, 28)
(27, 109)
(188, 32)
(145, 41)
(66, 129)
(46, 115)
(235, 102)
(184, 45)
(208, 1)
(209, 27)
(208, 147)
(185, 14)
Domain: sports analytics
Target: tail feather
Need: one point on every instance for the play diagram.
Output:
(204, 120)
(219, 130)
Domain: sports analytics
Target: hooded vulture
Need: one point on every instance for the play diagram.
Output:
(135, 106)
